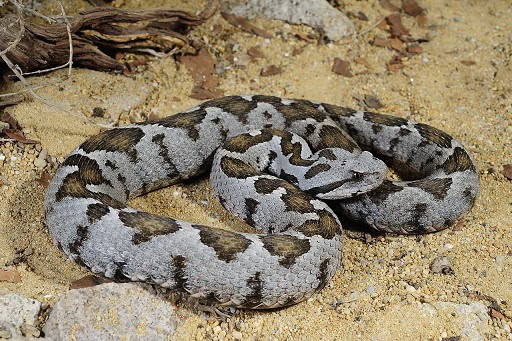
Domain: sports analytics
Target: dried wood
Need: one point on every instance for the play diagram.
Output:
(96, 35)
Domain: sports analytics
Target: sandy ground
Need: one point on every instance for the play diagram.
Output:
(383, 283)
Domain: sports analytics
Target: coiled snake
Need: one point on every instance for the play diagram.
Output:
(298, 245)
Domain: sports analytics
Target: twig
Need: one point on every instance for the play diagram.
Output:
(7, 140)
(22, 79)
(24, 90)
(70, 60)
(68, 28)
(21, 31)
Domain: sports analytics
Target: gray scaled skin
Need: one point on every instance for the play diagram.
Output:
(89, 220)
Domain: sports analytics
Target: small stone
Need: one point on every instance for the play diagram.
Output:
(98, 112)
(500, 259)
(270, 71)
(236, 335)
(29, 330)
(40, 163)
(442, 265)
(5, 333)
(448, 246)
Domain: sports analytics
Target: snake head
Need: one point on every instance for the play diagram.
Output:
(339, 174)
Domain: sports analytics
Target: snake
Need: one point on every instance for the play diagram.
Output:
(294, 169)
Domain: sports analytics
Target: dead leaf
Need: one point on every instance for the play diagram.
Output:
(198, 92)
(254, 53)
(11, 100)
(270, 71)
(245, 25)
(7, 118)
(397, 44)
(507, 171)
(202, 68)
(11, 276)
(468, 62)
(388, 5)
(422, 20)
(414, 49)
(381, 42)
(88, 281)
(372, 102)
(395, 23)
(18, 136)
(304, 37)
(459, 226)
(383, 25)
(363, 61)
(341, 67)
(497, 314)
(395, 63)
(358, 15)
(411, 8)
(44, 179)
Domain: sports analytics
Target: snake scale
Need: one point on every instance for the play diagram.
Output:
(273, 160)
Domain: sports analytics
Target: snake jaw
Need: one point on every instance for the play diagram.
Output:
(354, 173)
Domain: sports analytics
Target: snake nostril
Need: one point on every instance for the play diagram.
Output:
(357, 175)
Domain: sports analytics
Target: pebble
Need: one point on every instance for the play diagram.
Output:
(40, 161)
(448, 246)
(315, 13)
(139, 314)
(442, 265)
(236, 335)
(16, 311)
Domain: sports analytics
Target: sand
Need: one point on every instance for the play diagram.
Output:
(385, 284)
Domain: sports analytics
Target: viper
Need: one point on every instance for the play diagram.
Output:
(296, 170)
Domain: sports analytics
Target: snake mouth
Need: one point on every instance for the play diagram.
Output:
(347, 188)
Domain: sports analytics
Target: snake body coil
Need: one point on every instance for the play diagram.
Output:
(298, 247)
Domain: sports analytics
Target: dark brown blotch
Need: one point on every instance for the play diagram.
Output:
(233, 104)
(334, 110)
(188, 121)
(317, 169)
(81, 236)
(287, 248)
(323, 274)
(386, 120)
(459, 161)
(148, 225)
(227, 244)
(328, 154)
(88, 173)
(300, 110)
(293, 150)
(115, 140)
(241, 143)
(296, 200)
(180, 277)
(438, 187)
(288, 177)
(434, 135)
(333, 137)
(96, 211)
(163, 151)
(256, 284)
(236, 168)
(250, 209)
(267, 186)
(381, 193)
(326, 226)
(418, 212)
